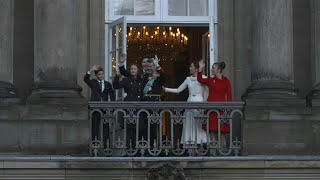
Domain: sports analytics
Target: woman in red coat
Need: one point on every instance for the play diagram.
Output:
(219, 91)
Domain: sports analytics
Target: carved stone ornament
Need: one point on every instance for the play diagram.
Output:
(166, 172)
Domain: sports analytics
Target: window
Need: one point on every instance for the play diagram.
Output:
(133, 7)
(188, 7)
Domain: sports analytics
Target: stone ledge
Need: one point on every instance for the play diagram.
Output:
(187, 168)
(244, 162)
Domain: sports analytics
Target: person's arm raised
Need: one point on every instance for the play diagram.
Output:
(122, 69)
(87, 75)
(199, 76)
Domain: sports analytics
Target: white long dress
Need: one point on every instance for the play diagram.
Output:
(191, 127)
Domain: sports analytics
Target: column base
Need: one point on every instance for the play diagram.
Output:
(275, 120)
(272, 93)
(56, 92)
(313, 98)
(8, 94)
(7, 90)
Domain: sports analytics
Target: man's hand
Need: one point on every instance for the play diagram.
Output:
(156, 62)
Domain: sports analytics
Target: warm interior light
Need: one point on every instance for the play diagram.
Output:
(149, 35)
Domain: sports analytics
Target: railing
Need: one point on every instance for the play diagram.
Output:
(154, 129)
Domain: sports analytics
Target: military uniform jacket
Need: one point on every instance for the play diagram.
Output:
(155, 89)
(132, 86)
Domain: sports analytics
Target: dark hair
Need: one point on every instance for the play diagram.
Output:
(221, 66)
(195, 64)
(149, 56)
(97, 71)
(139, 73)
(150, 60)
(134, 64)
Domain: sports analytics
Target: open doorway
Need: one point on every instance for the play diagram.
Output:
(176, 47)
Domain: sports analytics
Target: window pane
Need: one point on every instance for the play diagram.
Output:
(114, 36)
(198, 7)
(177, 7)
(122, 7)
(144, 7)
(120, 34)
(114, 64)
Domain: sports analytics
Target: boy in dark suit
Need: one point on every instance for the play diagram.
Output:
(101, 90)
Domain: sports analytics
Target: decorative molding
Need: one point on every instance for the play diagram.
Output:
(166, 171)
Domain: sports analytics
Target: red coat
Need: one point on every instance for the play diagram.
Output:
(219, 90)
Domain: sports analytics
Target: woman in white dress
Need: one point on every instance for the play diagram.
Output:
(197, 93)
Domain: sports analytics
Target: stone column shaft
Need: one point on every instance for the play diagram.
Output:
(313, 98)
(6, 49)
(56, 48)
(272, 66)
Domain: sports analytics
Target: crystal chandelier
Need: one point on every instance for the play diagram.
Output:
(157, 35)
(165, 42)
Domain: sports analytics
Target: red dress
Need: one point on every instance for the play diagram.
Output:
(219, 90)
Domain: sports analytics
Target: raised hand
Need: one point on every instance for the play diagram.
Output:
(94, 68)
(123, 58)
(118, 72)
(201, 64)
(156, 62)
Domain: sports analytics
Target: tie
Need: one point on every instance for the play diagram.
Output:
(100, 85)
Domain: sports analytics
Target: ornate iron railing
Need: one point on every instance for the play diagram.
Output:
(154, 128)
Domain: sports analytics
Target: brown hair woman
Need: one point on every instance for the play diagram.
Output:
(219, 91)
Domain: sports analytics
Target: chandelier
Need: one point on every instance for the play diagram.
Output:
(156, 35)
(165, 42)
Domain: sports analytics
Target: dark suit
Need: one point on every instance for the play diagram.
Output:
(98, 95)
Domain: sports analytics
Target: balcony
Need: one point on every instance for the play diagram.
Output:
(118, 156)
(164, 122)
